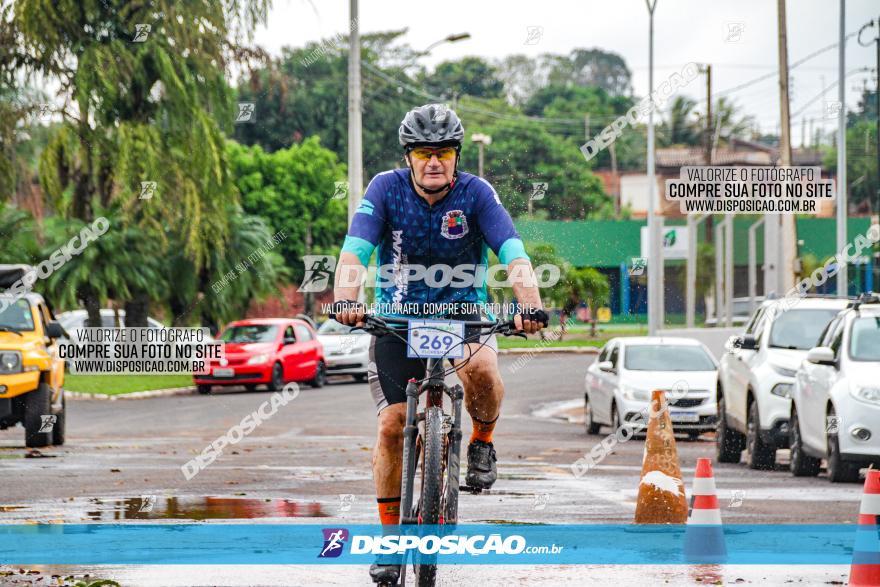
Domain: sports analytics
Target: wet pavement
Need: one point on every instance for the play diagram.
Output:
(310, 463)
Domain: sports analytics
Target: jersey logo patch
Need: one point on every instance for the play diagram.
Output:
(454, 224)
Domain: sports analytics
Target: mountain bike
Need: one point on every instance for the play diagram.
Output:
(432, 436)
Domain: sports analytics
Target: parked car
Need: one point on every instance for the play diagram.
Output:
(31, 372)
(757, 374)
(347, 351)
(742, 310)
(619, 383)
(74, 319)
(835, 411)
(266, 351)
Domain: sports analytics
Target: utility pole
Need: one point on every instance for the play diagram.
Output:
(708, 141)
(655, 245)
(481, 140)
(842, 278)
(355, 145)
(788, 230)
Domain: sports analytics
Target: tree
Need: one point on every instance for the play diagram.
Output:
(559, 102)
(522, 76)
(522, 154)
(139, 106)
(304, 94)
(246, 269)
(19, 242)
(861, 164)
(581, 284)
(681, 126)
(592, 67)
(861, 154)
(293, 190)
(470, 76)
(119, 265)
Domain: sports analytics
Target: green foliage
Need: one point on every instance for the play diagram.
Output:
(861, 163)
(115, 265)
(248, 267)
(144, 106)
(680, 127)
(18, 239)
(293, 190)
(573, 192)
(592, 67)
(304, 93)
(470, 76)
(146, 110)
(583, 284)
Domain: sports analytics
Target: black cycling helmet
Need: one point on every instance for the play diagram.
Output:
(431, 125)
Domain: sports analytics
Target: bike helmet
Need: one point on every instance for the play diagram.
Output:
(431, 125)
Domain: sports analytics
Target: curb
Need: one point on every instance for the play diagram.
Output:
(78, 395)
(585, 350)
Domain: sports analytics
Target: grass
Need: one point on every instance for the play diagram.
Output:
(120, 384)
(511, 343)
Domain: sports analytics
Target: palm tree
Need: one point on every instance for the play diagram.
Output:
(251, 266)
(681, 126)
(122, 264)
(17, 236)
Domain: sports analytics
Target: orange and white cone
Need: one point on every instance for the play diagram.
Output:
(866, 553)
(661, 492)
(704, 535)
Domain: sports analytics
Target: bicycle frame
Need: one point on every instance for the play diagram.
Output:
(434, 388)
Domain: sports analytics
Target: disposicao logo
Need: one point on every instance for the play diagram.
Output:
(334, 540)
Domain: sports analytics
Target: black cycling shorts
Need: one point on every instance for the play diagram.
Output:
(390, 369)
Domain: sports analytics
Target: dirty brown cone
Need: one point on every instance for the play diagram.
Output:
(661, 491)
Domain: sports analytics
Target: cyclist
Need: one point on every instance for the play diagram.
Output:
(430, 214)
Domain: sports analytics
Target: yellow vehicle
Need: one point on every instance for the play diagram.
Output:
(31, 374)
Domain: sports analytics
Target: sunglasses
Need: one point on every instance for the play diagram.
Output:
(442, 154)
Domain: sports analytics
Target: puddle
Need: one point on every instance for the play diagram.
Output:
(518, 523)
(200, 508)
(150, 507)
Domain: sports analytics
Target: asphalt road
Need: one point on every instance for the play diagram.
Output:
(311, 460)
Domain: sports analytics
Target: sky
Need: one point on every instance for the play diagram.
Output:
(738, 37)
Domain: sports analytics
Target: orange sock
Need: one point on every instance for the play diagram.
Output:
(483, 430)
(389, 510)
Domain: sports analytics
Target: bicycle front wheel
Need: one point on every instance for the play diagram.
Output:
(430, 503)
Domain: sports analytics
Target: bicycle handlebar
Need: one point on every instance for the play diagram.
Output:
(376, 325)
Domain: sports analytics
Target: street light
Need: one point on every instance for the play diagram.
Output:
(482, 141)
(449, 39)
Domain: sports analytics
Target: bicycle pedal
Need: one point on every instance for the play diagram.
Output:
(469, 489)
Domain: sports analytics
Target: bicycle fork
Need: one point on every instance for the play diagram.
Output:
(410, 432)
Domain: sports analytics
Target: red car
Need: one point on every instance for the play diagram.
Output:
(266, 351)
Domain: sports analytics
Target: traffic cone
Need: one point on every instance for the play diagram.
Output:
(704, 536)
(661, 493)
(866, 553)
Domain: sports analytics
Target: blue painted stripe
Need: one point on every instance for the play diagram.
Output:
(217, 543)
(511, 249)
(360, 247)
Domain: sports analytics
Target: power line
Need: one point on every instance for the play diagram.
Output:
(775, 72)
(833, 85)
